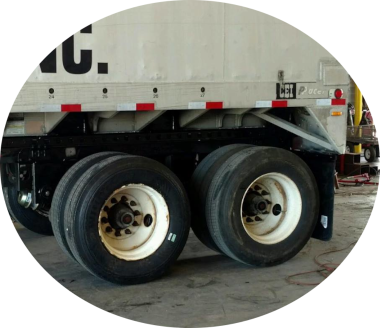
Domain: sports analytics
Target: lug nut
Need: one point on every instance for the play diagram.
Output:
(117, 233)
(104, 220)
(127, 232)
(148, 220)
(124, 199)
(113, 200)
(132, 203)
(135, 224)
(258, 219)
(109, 229)
(106, 209)
(249, 220)
(264, 193)
(136, 213)
(257, 188)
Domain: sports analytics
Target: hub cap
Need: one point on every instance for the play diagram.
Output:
(271, 208)
(367, 154)
(133, 222)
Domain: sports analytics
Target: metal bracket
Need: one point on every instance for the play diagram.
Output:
(294, 129)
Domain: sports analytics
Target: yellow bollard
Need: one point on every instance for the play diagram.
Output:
(358, 111)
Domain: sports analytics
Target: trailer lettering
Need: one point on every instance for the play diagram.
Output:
(310, 91)
(28, 28)
(44, 42)
(286, 90)
(5, 56)
(69, 20)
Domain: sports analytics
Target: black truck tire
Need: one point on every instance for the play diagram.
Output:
(62, 192)
(200, 183)
(4, 205)
(370, 154)
(262, 206)
(350, 147)
(127, 219)
(30, 219)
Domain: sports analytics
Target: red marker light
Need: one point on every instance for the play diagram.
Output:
(338, 93)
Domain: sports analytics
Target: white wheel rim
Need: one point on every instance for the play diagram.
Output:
(143, 235)
(367, 154)
(271, 208)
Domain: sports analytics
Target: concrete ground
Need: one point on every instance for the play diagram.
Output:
(205, 288)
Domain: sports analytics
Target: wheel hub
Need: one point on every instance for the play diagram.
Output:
(120, 216)
(257, 204)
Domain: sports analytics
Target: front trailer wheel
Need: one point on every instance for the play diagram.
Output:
(127, 219)
(62, 193)
(262, 206)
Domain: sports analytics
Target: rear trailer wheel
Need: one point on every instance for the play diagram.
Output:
(127, 219)
(370, 154)
(262, 206)
(33, 220)
(62, 192)
(200, 183)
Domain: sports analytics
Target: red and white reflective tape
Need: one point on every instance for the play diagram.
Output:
(62, 108)
(330, 102)
(131, 107)
(271, 103)
(205, 105)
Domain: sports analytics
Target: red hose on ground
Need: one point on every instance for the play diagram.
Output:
(325, 269)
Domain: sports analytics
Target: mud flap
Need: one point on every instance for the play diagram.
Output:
(323, 167)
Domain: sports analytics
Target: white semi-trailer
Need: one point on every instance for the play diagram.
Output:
(177, 114)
